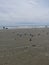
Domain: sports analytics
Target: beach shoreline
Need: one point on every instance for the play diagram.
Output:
(24, 46)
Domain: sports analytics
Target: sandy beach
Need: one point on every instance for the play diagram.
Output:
(24, 46)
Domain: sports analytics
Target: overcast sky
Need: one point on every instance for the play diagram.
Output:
(14, 12)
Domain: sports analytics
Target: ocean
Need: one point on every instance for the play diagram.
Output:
(24, 26)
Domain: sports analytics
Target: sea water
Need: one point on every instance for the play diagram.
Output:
(23, 26)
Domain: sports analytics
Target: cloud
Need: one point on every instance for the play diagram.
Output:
(32, 2)
(24, 10)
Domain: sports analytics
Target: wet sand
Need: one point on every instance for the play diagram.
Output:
(24, 46)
